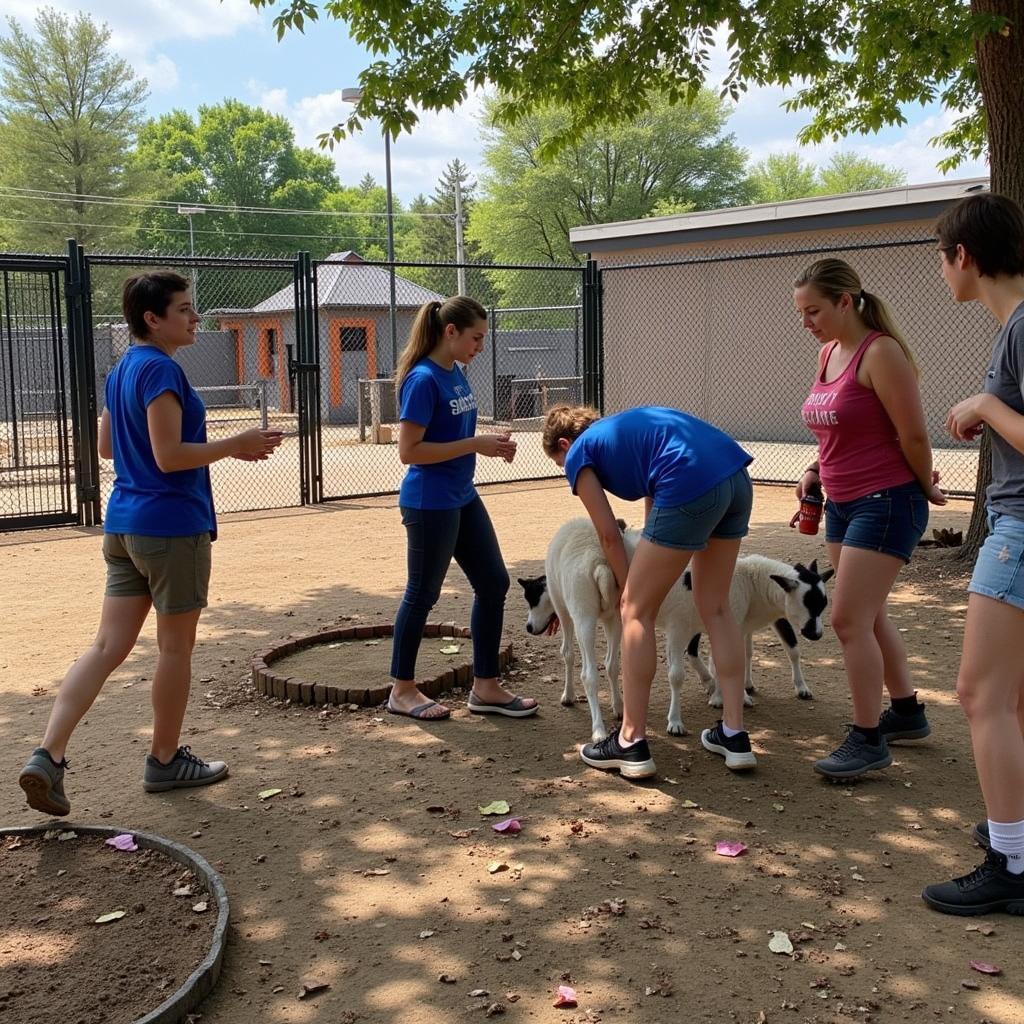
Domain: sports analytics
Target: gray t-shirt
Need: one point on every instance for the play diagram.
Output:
(1005, 380)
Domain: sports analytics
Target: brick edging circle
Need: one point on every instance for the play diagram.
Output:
(299, 691)
(199, 984)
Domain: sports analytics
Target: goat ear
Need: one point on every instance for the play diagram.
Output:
(523, 583)
(827, 575)
(787, 584)
(814, 566)
(542, 579)
(621, 524)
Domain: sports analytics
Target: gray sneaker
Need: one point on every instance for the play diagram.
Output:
(42, 778)
(184, 770)
(894, 726)
(854, 757)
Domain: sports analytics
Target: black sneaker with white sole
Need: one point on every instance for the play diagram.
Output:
(735, 749)
(634, 762)
(855, 756)
(987, 889)
(895, 726)
(980, 834)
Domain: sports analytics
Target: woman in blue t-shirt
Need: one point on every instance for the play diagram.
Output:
(158, 528)
(697, 497)
(441, 511)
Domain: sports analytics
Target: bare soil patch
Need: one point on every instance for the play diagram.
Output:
(58, 963)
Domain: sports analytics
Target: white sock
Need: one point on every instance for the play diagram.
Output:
(626, 744)
(729, 732)
(1007, 838)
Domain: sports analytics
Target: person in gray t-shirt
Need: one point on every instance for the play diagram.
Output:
(982, 244)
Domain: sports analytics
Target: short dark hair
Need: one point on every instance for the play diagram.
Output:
(149, 293)
(991, 228)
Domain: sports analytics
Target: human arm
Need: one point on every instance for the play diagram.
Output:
(163, 419)
(891, 376)
(966, 419)
(591, 493)
(414, 451)
(104, 443)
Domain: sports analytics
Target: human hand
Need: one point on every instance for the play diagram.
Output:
(809, 479)
(499, 446)
(256, 444)
(936, 495)
(966, 420)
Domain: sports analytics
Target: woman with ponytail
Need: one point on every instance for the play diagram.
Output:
(441, 511)
(875, 465)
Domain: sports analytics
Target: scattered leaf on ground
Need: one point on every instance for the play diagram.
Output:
(313, 988)
(463, 833)
(478, 993)
(730, 849)
(779, 943)
(779, 807)
(201, 907)
(426, 933)
(495, 866)
(495, 807)
(983, 968)
(447, 979)
(512, 825)
(65, 836)
(266, 794)
(185, 890)
(495, 1009)
(566, 997)
(114, 915)
(376, 871)
(371, 643)
(690, 803)
(124, 842)
(450, 649)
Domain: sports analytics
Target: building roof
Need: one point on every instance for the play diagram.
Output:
(344, 280)
(907, 202)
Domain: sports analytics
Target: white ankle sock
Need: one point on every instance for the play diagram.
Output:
(729, 733)
(626, 744)
(1007, 838)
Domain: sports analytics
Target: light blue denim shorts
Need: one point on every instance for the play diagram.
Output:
(999, 570)
(722, 512)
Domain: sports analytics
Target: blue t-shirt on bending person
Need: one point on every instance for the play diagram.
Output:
(655, 452)
(146, 500)
(442, 401)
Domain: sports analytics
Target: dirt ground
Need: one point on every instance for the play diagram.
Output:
(349, 878)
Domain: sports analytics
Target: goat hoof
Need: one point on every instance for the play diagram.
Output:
(715, 702)
(568, 703)
(805, 695)
(678, 730)
(748, 701)
(751, 688)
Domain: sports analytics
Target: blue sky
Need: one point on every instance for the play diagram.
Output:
(202, 51)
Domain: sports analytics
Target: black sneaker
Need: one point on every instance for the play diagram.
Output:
(895, 726)
(184, 770)
(42, 778)
(988, 888)
(980, 835)
(633, 762)
(735, 749)
(854, 757)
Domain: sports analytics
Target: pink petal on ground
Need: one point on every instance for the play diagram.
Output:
(124, 842)
(509, 825)
(566, 996)
(730, 849)
(984, 968)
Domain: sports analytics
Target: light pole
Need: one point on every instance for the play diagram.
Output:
(190, 211)
(354, 96)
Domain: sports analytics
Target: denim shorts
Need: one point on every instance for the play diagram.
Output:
(891, 521)
(999, 570)
(722, 512)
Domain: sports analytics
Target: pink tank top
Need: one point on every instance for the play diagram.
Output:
(857, 443)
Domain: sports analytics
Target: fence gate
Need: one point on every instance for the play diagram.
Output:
(36, 457)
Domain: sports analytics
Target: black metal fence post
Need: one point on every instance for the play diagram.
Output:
(593, 368)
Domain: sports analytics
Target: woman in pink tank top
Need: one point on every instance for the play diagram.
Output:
(875, 465)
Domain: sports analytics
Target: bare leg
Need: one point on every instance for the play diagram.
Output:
(652, 573)
(176, 636)
(120, 622)
(991, 689)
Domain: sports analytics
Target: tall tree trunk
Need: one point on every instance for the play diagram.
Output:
(1000, 58)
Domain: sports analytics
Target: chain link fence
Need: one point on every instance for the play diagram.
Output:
(718, 335)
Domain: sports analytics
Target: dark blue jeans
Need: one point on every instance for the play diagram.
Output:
(435, 536)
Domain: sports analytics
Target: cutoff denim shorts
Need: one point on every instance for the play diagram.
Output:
(891, 521)
(999, 570)
(722, 512)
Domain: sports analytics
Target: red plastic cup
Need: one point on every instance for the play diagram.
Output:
(809, 515)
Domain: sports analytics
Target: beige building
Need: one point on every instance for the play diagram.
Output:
(698, 312)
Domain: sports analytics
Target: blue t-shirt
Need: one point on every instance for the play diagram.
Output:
(442, 401)
(654, 452)
(146, 500)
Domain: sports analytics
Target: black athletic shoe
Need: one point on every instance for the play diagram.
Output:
(987, 889)
(854, 757)
(633, 762)
(895, 726)
(980, 835)
(735, 749)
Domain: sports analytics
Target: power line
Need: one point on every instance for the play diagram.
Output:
(41, 195)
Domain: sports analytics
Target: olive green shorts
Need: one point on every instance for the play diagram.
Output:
(173, 571)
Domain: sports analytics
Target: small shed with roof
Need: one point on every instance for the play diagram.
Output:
(353, 308)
